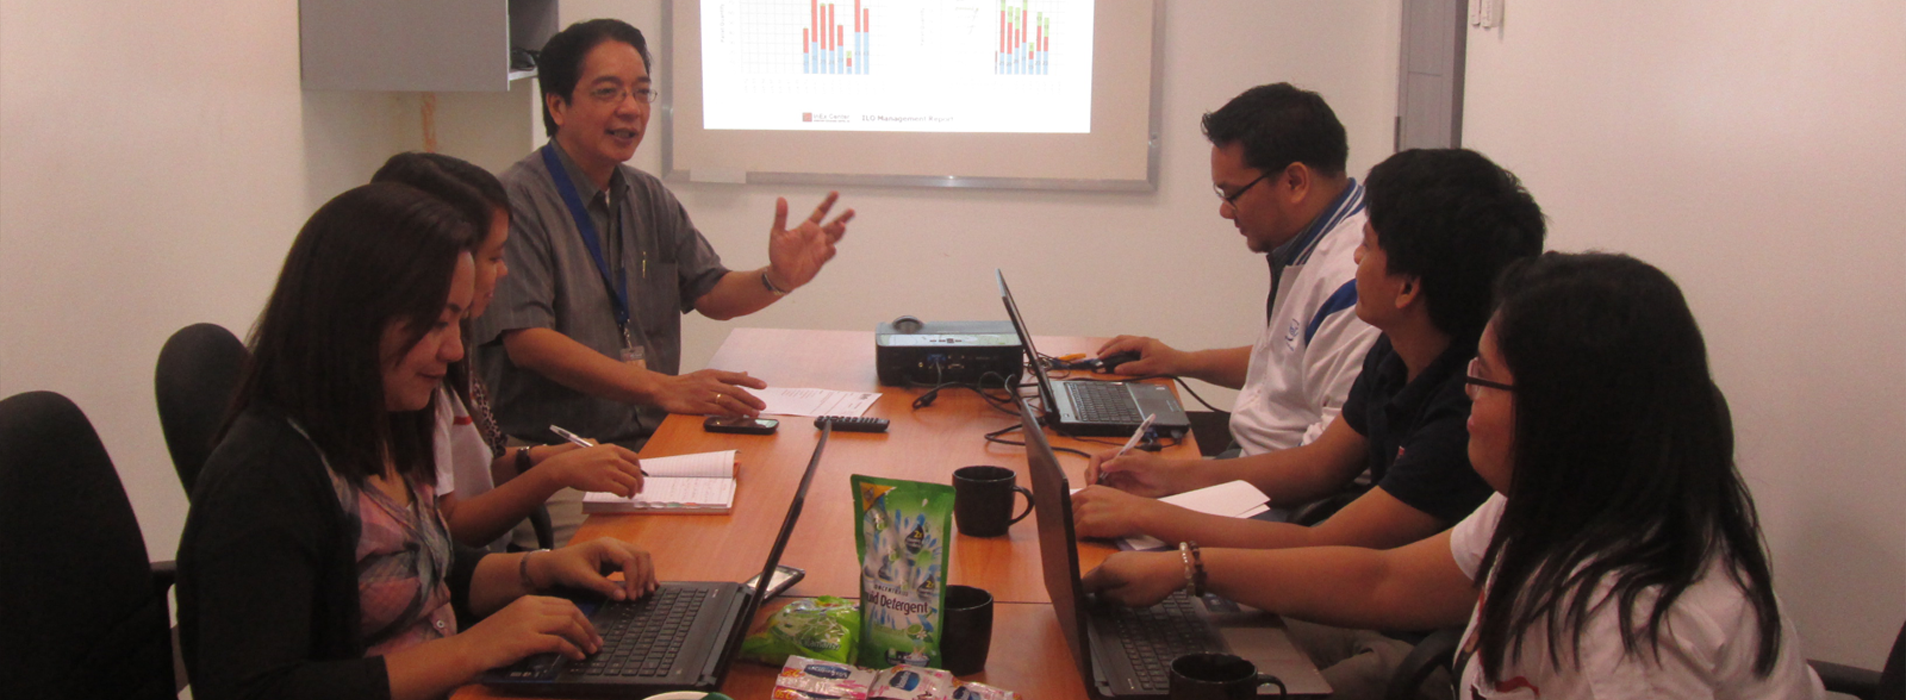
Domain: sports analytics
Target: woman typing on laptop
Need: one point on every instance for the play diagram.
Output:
(1621, 556)
(314, 562)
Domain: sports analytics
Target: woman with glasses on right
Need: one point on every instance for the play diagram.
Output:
(1621, 556)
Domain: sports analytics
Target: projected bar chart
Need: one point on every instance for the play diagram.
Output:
(828, 47)
(1025, 39)
(943, 66)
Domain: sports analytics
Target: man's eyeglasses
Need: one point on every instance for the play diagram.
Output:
(1473, 385)
(1232, 199)
(614, 94)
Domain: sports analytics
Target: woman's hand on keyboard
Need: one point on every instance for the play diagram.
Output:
(528, 626)
(581, 565)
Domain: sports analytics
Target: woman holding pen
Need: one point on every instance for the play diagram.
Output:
(485, 487)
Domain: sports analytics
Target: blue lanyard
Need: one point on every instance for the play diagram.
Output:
(618, 286)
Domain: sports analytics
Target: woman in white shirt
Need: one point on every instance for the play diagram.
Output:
(1621, 556)
(486, 487)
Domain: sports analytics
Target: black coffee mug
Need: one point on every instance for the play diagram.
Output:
(983, 500)
(1212, 676)
(967, 630)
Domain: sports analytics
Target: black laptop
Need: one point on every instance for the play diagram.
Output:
(1090, 407)
(681, 637)
(1127, 652)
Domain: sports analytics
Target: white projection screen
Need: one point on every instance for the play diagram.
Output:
(1033, 94)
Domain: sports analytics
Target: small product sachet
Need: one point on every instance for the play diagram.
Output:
(912, 683)
(812, 679)
(901, 532)
(981, 691)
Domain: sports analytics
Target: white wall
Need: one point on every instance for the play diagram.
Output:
(156, 159)
(1754, 151)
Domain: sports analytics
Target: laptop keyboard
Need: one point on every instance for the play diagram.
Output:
(1154, 636)
(1103, 402)
(643, 637)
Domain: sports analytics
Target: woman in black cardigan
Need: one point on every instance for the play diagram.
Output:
(314, 562)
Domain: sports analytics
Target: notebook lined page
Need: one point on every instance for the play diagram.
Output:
(701, 464)
(706, 492)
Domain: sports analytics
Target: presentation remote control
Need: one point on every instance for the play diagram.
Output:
(853, 424)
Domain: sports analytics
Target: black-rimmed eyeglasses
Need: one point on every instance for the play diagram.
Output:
(1472, 384)
(1232, 199)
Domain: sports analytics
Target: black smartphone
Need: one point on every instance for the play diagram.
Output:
(784, 576)
(740, 424)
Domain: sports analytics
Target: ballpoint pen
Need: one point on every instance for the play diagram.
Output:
(581, 441)
(1129, 444)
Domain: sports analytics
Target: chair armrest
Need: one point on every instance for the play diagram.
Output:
(545, 532)
(1435, 651)
(164, 574)
(1851, 680)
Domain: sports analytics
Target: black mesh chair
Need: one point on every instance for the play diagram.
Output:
(84, 613)
(1439, 651)
(1867, 684)
(198, 371)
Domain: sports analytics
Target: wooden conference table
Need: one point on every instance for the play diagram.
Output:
(1028, 655)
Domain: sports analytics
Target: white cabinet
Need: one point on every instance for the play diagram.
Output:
(419, 45)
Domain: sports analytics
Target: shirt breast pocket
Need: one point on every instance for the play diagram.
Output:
(659, 297)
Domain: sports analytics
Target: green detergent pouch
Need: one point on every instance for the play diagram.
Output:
(824, 628)
(902, 532)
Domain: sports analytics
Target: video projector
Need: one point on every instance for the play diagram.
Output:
(910, 352)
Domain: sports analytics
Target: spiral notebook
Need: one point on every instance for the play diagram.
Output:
(703, 482)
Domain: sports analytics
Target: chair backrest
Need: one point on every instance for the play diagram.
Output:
(81, 615)
(198, 371)
(1893, 677)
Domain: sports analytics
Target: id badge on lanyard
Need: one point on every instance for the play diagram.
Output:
(616, 285)
(632, 353)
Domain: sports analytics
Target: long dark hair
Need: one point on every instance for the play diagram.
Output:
(471, 190)
(377, 254)
(1624, 471)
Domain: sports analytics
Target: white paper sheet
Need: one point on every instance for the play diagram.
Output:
(815, 402)
(1234, 499)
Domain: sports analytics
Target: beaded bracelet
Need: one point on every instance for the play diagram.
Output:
(1194, 568)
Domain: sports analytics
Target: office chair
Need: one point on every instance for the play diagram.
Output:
(85, 611)
(199, 369)
(1439, 650)
(1867, 684)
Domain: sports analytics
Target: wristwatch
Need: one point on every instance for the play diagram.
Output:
(769, 285)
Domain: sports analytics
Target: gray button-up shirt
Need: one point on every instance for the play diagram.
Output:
(553, 283)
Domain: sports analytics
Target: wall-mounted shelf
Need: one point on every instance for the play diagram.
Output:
(419, 45)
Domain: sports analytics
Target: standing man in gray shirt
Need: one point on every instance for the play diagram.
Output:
(585, 330)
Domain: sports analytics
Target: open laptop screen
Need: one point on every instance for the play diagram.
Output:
(1025, 338)
(1058, 555)
(760, 593)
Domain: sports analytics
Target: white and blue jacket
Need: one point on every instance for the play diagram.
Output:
(1312, 346)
